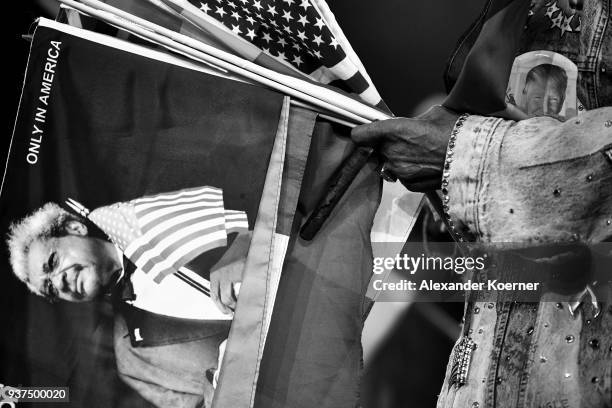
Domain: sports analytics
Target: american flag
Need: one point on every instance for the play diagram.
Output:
(162, 233)
(301, 33)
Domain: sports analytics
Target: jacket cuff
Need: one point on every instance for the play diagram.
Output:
(463, 177)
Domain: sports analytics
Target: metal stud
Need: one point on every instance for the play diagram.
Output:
(567, 375)
(557, 192)
(594, 343)
(608, 123)
(476, 310)
(559, 306)
(530, 331)
(569, 338)
(589, 178)
(595, 380)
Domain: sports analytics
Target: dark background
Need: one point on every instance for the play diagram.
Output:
(404, 45)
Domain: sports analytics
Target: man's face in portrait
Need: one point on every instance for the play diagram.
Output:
(542, 98)
(74, 267)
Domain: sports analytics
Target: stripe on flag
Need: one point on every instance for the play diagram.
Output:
(177, 227)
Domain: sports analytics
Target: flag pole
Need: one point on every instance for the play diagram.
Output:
(316, 95)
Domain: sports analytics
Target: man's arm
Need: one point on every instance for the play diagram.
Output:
(537, 179)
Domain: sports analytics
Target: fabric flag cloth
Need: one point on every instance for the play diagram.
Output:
(113, 121)
(297, 32)
(311, 355)
(162, 233)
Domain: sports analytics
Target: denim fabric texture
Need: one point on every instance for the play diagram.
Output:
(534, 182)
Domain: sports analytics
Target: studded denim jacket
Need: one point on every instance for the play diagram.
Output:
(533, 182)
(583, 36)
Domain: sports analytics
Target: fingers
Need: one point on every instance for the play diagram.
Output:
(422, 186)
(226, 292)
(222, 282)
(417, 178)
(373, 133)
(215, 293)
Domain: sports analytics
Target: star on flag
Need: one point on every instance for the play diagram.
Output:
(294, 32)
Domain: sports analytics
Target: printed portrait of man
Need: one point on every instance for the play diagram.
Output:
(133, 253)
(544, 91)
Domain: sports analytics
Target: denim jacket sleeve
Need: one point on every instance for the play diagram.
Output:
(534, 181)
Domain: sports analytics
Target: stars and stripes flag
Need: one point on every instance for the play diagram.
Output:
(301, 33)
(163, 232)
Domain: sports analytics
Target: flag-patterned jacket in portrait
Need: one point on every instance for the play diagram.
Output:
(163, 232)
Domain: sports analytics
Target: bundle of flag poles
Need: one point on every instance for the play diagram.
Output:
(305, 88)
